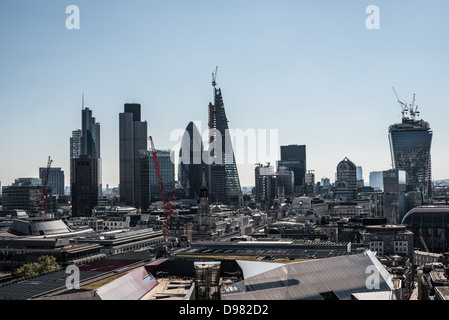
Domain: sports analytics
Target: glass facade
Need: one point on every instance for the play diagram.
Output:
(410, 144)
(432, 223)
(294, 158)
(132, 139)
(219, 133)
(190, 162)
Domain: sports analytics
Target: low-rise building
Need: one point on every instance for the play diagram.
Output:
(389, 239)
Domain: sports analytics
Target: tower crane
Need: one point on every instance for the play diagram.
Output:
(166, 203)
(44, 191)
(43, 197)
(403, 104)
(214, 77)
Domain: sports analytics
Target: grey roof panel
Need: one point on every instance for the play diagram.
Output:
(303, 280)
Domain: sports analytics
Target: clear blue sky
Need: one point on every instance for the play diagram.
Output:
(309, 69)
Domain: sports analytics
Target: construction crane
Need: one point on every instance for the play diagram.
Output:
(43, 196)
(214, 77)
(403, 104)
(166, 203)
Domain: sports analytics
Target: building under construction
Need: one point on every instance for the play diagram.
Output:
(410, 143)
(223, 175)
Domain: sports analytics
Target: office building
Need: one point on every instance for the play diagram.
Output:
(309, 187)
(346, 182)
(26, 194)
(190, 167)
(90, 137)
(75, 144)
(265, 184)
(286, 180)
(410, 143)
(55, 180)
(149, 186)
(393, 202)
(133, 139)
(376, 180)
(223, 175)
(294, 158)
(84, 185)
(86, 141)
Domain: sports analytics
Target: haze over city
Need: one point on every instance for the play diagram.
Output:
(310, 70)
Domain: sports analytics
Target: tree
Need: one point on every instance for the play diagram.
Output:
(45, 264)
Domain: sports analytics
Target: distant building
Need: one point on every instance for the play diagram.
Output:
(223, 173)
(133, 138)
(265, 183)
(55, 179)
(286, 180)
(149, 186)
(26, 194)
(376, 180)
(86, 142)
(410, 143)
(294, 158)
(190, 168)
(346, 182)
(309, 187)
(84, 185)
(389, 239)
(394, 195)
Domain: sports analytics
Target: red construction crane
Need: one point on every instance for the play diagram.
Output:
(43, 196)
(166, 203)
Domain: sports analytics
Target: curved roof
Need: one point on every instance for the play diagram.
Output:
(427, 217)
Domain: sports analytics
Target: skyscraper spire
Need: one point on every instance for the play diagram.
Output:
(82, 101)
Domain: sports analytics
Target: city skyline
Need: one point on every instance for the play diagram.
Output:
(312, 71)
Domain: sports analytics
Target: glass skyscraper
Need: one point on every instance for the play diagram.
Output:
(132, 139)
(86, 142)
(410, 143)
(293, 157)
(190, 168)
(224, 179)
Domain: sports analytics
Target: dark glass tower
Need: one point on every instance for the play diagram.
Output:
(410, 143)
(84, 185)
(223, 175)
(133, 138)
(87, 142)
(293, 157)
(90, 137)
(190, 162)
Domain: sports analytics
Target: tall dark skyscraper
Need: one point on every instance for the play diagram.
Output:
(293, 157)
(190, 168)
(86, 141)
(90, 136)
(224, 179)
(133, 138)
(84, 185)
(410, 143)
